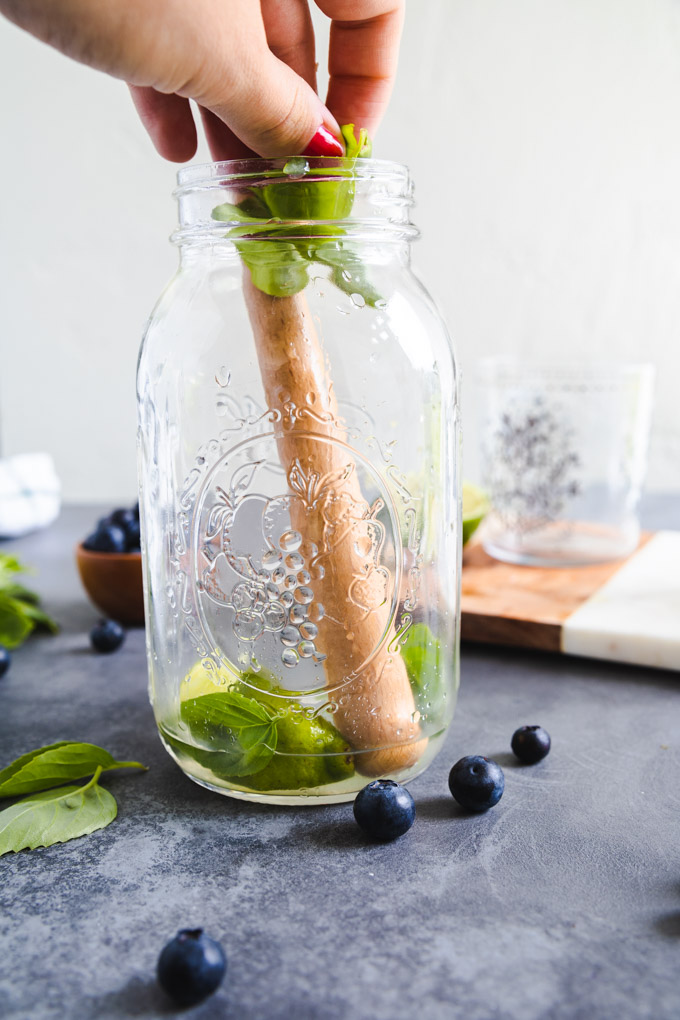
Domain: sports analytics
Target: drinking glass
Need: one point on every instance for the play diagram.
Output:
(563, 453)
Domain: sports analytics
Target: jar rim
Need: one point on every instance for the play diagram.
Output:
(202, 175)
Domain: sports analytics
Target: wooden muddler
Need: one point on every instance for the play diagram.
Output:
(375, 706)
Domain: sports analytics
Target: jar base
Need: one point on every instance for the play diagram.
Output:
(312, 798)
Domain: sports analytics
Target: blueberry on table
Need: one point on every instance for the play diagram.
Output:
(384, 809)
(107, 538)
(477, 783)
(5, 660)
(107, 636)
(530, 744)
(191, 967)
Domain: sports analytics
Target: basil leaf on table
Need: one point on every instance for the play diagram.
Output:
(20, 612)
(15, 621)
(55, 764)
(56, 816)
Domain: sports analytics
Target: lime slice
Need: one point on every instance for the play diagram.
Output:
(200, 681)
(475, 508)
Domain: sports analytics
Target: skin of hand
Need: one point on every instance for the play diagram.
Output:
(250, 66)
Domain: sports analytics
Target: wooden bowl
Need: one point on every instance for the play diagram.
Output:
(114, 583)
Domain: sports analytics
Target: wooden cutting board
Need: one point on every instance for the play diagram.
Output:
(627, 611)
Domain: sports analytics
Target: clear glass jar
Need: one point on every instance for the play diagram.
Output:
(298, 460)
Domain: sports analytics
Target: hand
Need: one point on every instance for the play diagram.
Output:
(249, 65)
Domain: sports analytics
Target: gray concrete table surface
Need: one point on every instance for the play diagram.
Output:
(561, 902)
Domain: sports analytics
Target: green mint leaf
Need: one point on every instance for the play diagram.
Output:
(423, 658)
(55, 764)
(56, 816)
(15, 621)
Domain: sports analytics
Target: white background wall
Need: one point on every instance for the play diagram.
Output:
(544, 138)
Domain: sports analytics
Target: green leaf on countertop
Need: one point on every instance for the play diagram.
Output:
(423, 658)
(15, 622)
(56, 816)
(54, 764)
(20, 612)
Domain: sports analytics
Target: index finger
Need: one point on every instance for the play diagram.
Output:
(362, 59)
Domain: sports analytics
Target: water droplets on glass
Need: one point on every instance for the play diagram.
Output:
(304, 595)
(303, 577)
(309, 630)
(306, 649)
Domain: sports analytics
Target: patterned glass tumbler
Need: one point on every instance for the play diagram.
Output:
(563, 455)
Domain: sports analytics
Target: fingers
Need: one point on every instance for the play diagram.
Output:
(169, 122)
(290, 35)
(222, 141)
(362, 61)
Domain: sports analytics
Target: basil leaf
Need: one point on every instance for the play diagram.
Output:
(15, 621)
(56, 816)
(55, 764)
(422, 655)
(232, 758)
(240, 730)
(20, 612)
(9, 565)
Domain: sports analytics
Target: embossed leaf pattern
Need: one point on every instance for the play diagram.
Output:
(56, 816)
(58, 763)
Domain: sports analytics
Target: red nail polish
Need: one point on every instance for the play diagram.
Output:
(324, 144)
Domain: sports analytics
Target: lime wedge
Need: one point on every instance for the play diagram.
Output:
(475, 508)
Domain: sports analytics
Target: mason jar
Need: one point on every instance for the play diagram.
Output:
(299, 459)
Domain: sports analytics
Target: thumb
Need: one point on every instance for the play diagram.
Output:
(274, 112)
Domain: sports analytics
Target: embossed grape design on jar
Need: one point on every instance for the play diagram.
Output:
(299, 464)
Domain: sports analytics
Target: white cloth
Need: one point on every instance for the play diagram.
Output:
(30, 493)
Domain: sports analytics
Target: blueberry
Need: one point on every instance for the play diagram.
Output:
(191, 967)
(107, 538)
(5, 660)
(384, 809)
(122, 517)
(107, 636)
(477, 783)
(530, 744)
(132, 536)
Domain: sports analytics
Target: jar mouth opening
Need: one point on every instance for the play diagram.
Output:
(235, 171)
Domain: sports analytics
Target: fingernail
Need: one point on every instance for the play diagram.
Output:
(324, 144)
